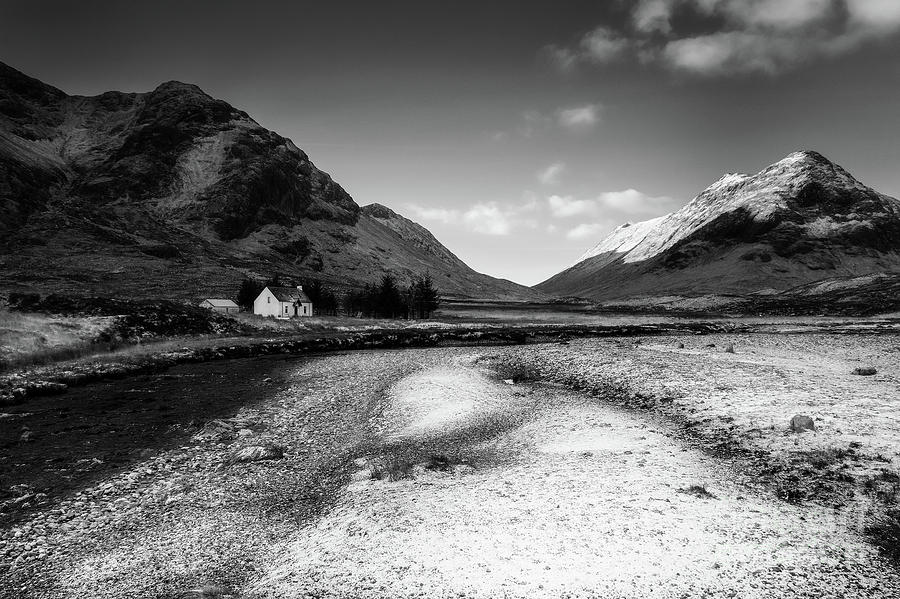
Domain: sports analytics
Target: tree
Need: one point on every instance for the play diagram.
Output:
(426, 298)
(248, 292)
(323, 298)
(389, 303)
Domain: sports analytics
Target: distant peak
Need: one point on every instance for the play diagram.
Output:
(379, 211)
(178, 86)
(803, 156)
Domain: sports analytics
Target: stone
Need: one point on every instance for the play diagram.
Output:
(255, 453)
(215, 430)
(800, 423)
(729, 349)
(864, 371)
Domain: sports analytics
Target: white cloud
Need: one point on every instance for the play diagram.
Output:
(579, 117)
(653, 15)
(627, 203)
(551, 175)
(745, 36)
(567, 206)
(603, 45)
(585, 230)
(488, 218)
(435, 214)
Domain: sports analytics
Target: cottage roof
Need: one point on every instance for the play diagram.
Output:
(220, 303)
(289, 294)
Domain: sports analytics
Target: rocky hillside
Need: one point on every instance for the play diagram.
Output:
(802, 219)
(172, 193)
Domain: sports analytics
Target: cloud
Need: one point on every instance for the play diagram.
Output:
(603, 45)
(627, 203)
(579, 117)
(585, 230)
(738, 36)
(551, 175)
(591, 215)
(534, 122)
(488, 218)
(435, 214)
(567, 206)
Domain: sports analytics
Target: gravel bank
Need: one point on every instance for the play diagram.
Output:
(420, 474)
(740, 404)
(576, 499)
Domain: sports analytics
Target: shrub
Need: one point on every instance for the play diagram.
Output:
(884, 533)
(391, 468)
(698, 491)
(519, 373)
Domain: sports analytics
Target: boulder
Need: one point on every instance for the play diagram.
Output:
(864, 371)
(800, 423)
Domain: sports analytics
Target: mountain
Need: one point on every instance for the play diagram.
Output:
(172, 193)
(800, 220)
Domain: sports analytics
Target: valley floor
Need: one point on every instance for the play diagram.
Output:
(598, 468)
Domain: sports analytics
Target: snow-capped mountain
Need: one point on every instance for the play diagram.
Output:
(799, 220)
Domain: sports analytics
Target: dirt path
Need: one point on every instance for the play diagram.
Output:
(481, 489)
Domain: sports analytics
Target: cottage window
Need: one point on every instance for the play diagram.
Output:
(268, 300)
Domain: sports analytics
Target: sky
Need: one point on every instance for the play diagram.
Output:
(519, 132)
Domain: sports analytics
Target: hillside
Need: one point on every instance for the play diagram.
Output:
(172, 193)
(800, 220)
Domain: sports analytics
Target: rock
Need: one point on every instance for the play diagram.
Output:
(864, 371)
(215, 430)
(27, 437)
(800, 423)
(256, 453)
(509, 381)
(729, 349)
(244, 432)
(680, 346)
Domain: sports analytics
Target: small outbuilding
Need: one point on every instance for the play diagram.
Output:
(221, 305)
(283, 302)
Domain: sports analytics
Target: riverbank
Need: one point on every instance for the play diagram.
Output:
(424, 473)
(19, 386)
(734, 395)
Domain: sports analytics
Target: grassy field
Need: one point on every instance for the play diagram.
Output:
(33, 338)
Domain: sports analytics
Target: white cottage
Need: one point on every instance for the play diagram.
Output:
(283, 302)
(221, 305)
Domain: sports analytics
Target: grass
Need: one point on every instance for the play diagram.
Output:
(37, 339)
(394, 467)
(519, 373)
(391, 468)
(884, 533)
(823, 458)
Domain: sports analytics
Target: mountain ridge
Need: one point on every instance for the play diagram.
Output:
(174, 193)
(798, 220)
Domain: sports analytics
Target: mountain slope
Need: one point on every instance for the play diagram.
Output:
(799, 220)
(174, 193)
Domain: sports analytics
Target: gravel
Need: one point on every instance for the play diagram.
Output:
(541, 491)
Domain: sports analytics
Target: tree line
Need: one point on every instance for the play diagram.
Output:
(386, 299)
